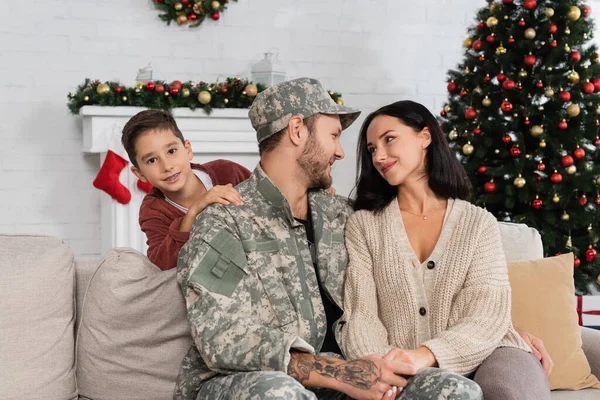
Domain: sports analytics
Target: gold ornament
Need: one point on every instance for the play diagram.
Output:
(204, 97)
(477, 90)
(124, 98)
(453, 135)
(556, 199)
(569, 243)
(138, 90)
(215, 5)
(573, 110)
(571, 170)
(86, 98)
(500, 49)
(467, 70)
(598, 279)
(590, 228)
(103, 89)
(486, 102)
(515, 115)
(251, 90)
(585, 35)
(495, 7)
(468, 42)
(139, 85)
(536, 131)
(549, 12)
(542, 144)
(529, 33)
(567, 31)
(549, 92)
(522, 73)
(565, 216)
(198, 8)
(491, 22)
(573, 77)
(550, 68)
(567, 48)
(178, 6)
(541, 108)
(497, 151)
(185, 92)
(574, 13)
(598, 110)
(447, 108)
(598, 180)
(182, 19)
(226, 101)
(166, 93)
(519, 182)
(467, 149)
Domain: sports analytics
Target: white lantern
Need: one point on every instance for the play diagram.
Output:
(268, 71)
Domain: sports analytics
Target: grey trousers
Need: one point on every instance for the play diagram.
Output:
(429, 384)
(511, 374)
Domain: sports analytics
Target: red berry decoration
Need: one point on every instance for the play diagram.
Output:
(463, 92)
(583, 200)
(192, 16)
(566, 161)
(470, 113)
(173, 90)
(529, 60)
(506, 139)
(576, 56)
(539, 84)
(482, 170)
(563, 125)
(508, 84)
(565, 96)
(477, 131)
(511, 40)
(553, 43)
(118, 89)
(537, 204)
(477, 45)
(215, 16)
(556, 178)
(586, 10)
(501, 77)
(150, 86)
(590, 255)
(521, 22)
(491, 38)
(452, 86)
(489, 187)
(506, 106)
(579, 153)
(588, 88)
(596, 82)
(482, 58)
(159, 88)
(576, 262)
(553, 29)
(487, 78)
(541, 166)
(515, 152)
(527, 121)
(529, 4)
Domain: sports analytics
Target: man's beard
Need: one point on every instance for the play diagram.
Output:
(314, 163)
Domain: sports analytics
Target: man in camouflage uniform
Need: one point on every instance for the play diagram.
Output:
(263, 281)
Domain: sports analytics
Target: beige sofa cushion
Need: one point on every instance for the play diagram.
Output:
(36, 318)
(543, 305)
(520, 242)
(133, 332)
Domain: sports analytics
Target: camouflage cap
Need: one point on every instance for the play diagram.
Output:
(272, 108)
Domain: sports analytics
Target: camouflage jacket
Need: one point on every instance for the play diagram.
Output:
(249, 282)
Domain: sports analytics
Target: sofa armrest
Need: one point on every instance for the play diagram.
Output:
(591, 348)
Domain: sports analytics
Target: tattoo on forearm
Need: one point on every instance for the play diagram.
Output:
(362, 374)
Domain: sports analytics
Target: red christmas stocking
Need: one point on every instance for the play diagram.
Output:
(108, 178)
(144, 186)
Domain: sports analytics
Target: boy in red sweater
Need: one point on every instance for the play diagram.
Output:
(161, 156)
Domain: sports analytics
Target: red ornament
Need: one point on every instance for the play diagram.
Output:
(565, 96)
(443, 113)
(173, 90)
(452, 86)
(553, 29)
(541, 166)
(576, 262)
(506, 139)
(539, 84)
(598, 201)
(150, 86)
(490, 38)
(553, 43)
(566, 161)
(192, 16)
(537, 204)
(482, 169)
(463, 92)
(477, 131)
(482, 58)
(596, 82)
(506, 106)
(159, 88)
(529, 60)
(489, 187)
(530, 4)
(224, 89)
(215, 16)
(515, 152)
(556, 178)
(527, 121)
(586, 10)
(501, 77)
(563, 125)
(511, 40)
(588, 88)
(583, 200)
(470, 113)
(579, 153)
(480, 25)
(118, 89)
(177, 84)
(185, 2)
(521, 22)
(597, 141)
(508, 84)
(590, 255)
(507, 2)
(576, 56)
(487, 78)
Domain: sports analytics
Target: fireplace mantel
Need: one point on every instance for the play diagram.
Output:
(225, 133)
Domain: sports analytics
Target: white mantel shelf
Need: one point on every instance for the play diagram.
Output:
(224, 133)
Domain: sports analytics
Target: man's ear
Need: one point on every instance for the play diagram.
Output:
(295, 130)
(138, 173)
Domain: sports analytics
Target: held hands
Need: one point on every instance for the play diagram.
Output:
(539, 350)
(218, 194)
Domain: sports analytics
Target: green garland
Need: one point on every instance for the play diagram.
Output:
(232, 93)
(190, 11)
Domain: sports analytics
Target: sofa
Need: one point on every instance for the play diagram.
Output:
(116, 328)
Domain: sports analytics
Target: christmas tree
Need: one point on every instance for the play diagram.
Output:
(523, 115)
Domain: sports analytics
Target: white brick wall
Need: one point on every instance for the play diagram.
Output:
(372, 51)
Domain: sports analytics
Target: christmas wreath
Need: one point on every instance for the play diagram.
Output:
(190, 11)
(231, 93)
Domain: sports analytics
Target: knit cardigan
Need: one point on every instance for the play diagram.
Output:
(457, 303)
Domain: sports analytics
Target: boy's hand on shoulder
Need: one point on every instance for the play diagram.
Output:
(221, 194)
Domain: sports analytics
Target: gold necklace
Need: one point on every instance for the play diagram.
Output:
(421, 215)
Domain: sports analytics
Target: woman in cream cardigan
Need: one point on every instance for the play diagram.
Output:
(427, 272)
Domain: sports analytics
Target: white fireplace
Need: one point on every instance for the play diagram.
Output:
(225, 133)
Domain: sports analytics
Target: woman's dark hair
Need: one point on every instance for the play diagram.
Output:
(446, 176)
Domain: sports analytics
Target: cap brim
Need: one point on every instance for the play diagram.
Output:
(347, 114)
